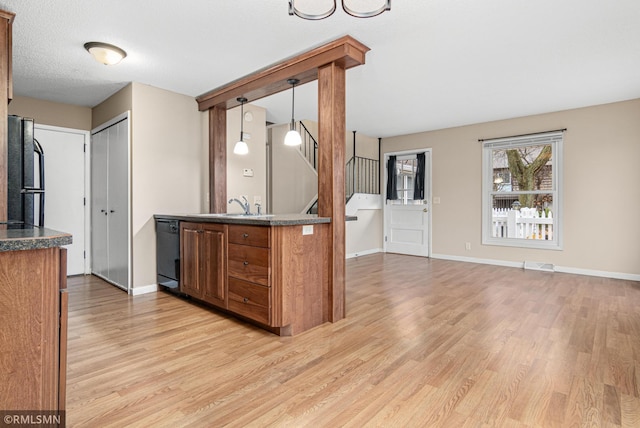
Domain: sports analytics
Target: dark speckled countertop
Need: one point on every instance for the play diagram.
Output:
(258, 220)
(17, 238)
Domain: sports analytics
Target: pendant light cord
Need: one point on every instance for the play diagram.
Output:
(293, 105)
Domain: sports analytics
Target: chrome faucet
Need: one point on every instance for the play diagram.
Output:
(245, 206)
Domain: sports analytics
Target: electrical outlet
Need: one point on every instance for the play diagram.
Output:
(257, 200)
(467, 246)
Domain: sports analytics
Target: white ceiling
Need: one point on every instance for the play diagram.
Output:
(433, 63)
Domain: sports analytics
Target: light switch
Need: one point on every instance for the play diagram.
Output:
(436, 199)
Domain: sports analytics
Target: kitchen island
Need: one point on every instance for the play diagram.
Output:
(33, 319)
(270, 270)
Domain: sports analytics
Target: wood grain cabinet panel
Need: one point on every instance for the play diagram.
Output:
(249, 263)
(257, 236)
(273, 275)
(33, 319)
(203, 257)
(250, 300)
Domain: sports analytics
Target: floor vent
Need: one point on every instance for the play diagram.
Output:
(547, 267)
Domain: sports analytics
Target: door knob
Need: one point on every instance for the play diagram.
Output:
(425, 210)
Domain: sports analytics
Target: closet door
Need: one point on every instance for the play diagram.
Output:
(118, 196)
(110, 203)
(99, 204)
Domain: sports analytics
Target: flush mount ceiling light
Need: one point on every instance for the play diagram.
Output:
(320, 9)
(105, 53)
(241, 147)
(293, 137)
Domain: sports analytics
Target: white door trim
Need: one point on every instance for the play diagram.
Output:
(427, 189)
(87, 186)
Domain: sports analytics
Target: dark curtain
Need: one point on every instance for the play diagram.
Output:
(418, 185)
(392, 179)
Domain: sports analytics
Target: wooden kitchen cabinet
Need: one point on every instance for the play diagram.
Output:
(6, 87)
(203, 272)
(250, 273)
(33, 330)
(273, 275)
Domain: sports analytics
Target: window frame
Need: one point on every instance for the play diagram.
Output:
(555, 139)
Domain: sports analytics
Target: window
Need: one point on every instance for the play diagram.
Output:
(521, 183)
(405, 168)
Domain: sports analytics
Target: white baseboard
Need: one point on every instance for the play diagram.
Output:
(477, 260)
(364, 253)
(600, 273)
(563, 269)
(136, 291)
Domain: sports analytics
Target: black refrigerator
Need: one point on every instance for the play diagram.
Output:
(25, 174)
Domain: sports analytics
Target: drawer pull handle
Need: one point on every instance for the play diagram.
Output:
(245, 235)
(245, 300)
(245, 263)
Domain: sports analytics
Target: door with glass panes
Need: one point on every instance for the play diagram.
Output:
(407, 216)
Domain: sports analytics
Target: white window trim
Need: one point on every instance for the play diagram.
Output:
(557, 177)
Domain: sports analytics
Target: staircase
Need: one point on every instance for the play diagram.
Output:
(362, 175)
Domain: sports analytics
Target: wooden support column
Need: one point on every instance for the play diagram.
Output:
(331, 178)
(217, 159)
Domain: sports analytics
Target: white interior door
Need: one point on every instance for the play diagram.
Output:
(99, 205)
(110, 237)
(118, 197)
(407, 221)
(65, 172)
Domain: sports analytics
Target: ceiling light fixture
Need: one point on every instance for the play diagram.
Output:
(105, 53)
(241, 147)
(293, 137)
(320, 9)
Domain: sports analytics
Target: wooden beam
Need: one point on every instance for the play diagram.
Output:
(345, 51)
(328, 64)
(331, 172)
(217, 160)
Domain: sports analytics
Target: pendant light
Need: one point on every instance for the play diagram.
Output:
(241, 147)
(321, 9)
(293, 137)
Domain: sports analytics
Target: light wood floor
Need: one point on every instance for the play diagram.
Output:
(426, 343)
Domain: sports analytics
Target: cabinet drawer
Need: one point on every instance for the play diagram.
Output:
(249, 263)
(249, 235)
(249, 300)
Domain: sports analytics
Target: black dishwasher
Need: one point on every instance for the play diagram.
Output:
(168, 253)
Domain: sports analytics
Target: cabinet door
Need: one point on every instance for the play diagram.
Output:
(213, 264)
(190, 259)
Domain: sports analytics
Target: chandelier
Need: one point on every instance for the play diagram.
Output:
(320, 9)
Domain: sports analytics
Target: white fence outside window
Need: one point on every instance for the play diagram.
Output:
(525, 223)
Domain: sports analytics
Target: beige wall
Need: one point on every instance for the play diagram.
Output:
(116, 104)
(53, 114)
(364, 236)
(166, 164)
(254, 188)
(294, 182)
(601, 176)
